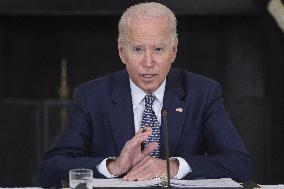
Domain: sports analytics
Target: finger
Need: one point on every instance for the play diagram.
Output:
(143, 132)
(134, 145)
(144, 129)
(146, 152)
(133, 174)
(144, 174)
(130, 174)
(131, 153)
(150, 147)
(136, 170)
(141, 161)
(155, 168)
(138, 139)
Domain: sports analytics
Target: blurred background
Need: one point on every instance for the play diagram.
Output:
(47, 47)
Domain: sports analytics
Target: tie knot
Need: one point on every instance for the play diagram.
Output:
(149, 99)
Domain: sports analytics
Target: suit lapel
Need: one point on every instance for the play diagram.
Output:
(174, 104)
(121, 110)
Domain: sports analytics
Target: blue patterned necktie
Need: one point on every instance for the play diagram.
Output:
(149, 119)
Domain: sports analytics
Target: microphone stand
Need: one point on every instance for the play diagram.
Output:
(166, 139)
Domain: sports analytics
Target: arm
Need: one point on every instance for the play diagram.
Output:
(226, 155)
(209, 142)
(72, 147)
(75, 147)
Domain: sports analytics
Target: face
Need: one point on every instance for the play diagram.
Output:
(148, 52)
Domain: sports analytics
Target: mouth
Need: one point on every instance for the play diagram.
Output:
(148, 77)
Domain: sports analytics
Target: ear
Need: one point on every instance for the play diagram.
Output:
(122, 52)
(174, 49)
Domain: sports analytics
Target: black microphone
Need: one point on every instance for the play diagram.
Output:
(167, 149)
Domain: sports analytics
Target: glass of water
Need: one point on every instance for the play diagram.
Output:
(80, 178)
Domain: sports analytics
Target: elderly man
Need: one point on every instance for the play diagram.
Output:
(104, 131)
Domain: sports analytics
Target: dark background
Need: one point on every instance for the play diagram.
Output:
(234, 42)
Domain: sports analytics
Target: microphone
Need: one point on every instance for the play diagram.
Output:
(166, 140)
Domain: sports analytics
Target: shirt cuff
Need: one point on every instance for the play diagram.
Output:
(183, 169)
(102, 168)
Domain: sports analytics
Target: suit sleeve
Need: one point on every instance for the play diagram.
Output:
(225, 153)
(72, 147)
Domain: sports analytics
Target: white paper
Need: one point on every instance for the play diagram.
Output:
(118, 182)
(218, 183)
(280, 186)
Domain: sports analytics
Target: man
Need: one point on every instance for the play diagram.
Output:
(114, 115)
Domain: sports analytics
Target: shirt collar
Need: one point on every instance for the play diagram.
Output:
(138, 94)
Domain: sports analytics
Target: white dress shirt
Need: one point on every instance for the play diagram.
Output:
(138, 108)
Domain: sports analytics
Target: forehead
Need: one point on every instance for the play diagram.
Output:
(148, 30)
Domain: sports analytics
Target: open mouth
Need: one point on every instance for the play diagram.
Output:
(148, 76)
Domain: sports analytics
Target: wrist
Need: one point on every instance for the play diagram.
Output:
(111, 166)
(174, 166)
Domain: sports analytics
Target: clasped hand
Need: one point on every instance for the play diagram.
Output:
(137, 164)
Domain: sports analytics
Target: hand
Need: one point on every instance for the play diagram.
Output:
(150, 167)
(131, 153)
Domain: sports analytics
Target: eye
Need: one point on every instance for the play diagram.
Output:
(158, 50)
(137, 50)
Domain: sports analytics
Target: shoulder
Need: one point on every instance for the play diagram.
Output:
(191, 81)
(101, 85)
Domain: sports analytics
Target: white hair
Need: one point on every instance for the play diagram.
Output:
(276, 9)
(146, 11)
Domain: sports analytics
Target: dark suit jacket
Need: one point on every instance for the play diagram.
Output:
(101, 121)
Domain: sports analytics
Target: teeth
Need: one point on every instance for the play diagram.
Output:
(148, 75)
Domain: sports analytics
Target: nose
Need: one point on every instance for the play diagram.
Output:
(149, 60)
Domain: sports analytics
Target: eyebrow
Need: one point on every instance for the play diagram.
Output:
(137, 44)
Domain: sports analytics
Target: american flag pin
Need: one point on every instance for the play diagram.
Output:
(179, 109)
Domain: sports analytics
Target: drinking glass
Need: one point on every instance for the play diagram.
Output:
(80, 178)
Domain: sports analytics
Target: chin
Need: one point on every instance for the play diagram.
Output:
(149, 90)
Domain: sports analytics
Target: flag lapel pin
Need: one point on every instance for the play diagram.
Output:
(179, 109)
